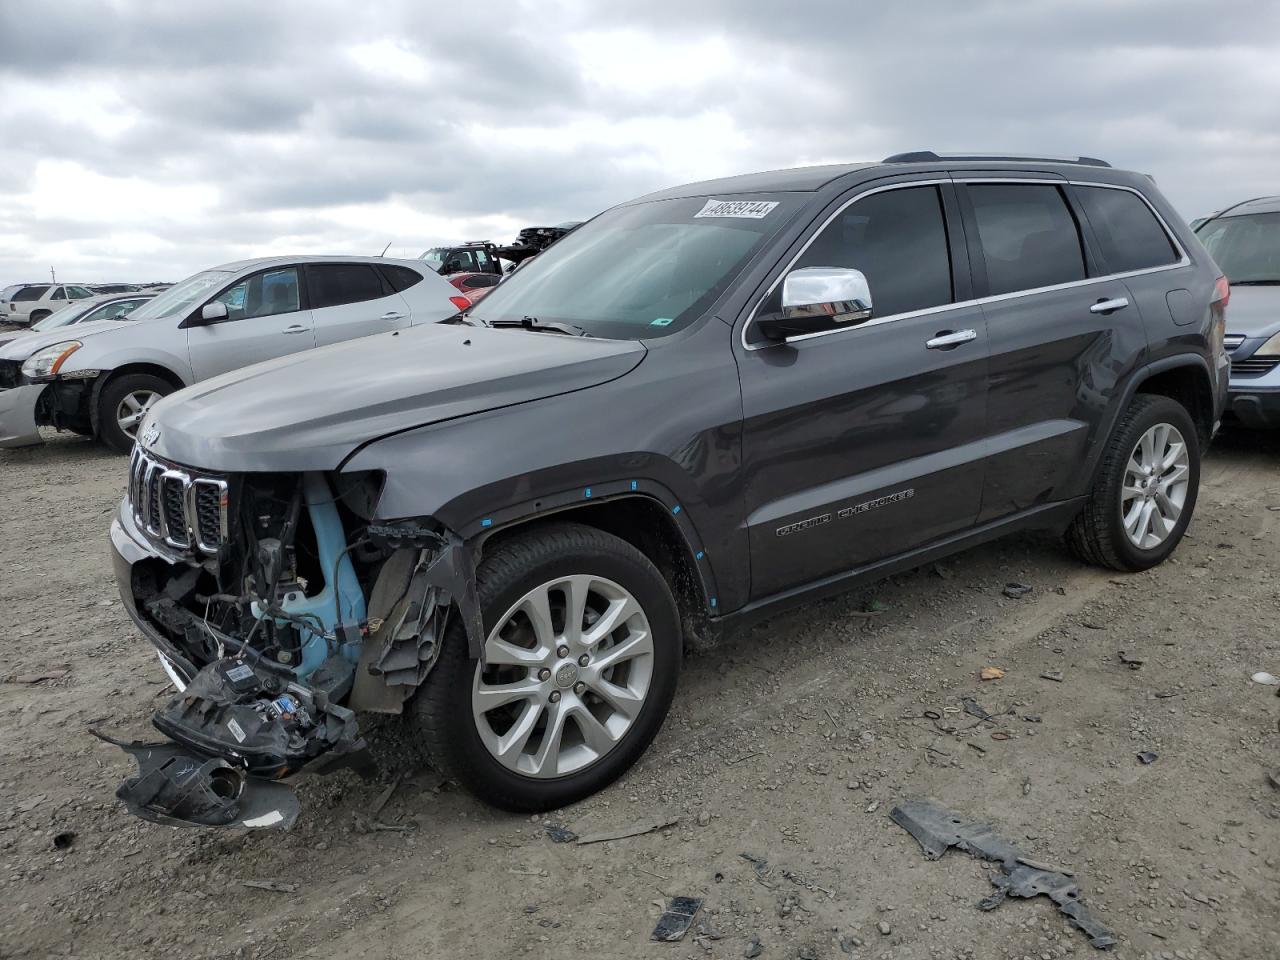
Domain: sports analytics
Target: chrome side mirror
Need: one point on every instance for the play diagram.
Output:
(816, 299)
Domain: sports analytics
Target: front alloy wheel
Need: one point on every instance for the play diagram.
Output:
(565, 674)
(580, 665)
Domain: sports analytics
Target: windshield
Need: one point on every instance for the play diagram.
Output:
(640, 271)
(60, 318)
(1247, 248)
(182, 297)
(435, 257)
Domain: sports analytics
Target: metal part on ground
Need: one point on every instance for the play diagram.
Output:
(938, 829)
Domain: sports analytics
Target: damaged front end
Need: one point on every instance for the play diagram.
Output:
(280, 607)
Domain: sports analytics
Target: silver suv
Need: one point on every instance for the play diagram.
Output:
(1245, 242)
(101, 378)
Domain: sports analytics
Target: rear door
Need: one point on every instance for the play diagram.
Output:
(266, 318)
(862, 443)
(350, 300)
(1062, 334)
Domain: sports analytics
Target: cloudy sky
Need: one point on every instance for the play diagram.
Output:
(145, 140)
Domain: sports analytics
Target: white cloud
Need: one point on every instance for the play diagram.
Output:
(148, 140)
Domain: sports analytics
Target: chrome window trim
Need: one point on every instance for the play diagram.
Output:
(1183, 261)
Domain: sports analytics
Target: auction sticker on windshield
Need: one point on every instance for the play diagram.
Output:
(743, 209)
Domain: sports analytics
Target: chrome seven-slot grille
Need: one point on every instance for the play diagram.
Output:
(183, 510)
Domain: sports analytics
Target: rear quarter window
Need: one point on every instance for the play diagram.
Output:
(30, 293)
(1129, 235)
(400, 278)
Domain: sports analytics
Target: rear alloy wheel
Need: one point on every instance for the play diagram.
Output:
(581, 657)
(124, 403)
(1145, 491)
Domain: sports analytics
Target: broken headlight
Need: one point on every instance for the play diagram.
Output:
(45, 364)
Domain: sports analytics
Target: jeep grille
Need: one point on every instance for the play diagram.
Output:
(173, 505)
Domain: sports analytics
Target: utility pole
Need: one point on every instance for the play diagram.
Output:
(53, 277)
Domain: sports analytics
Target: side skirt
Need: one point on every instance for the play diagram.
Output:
(1050, 516)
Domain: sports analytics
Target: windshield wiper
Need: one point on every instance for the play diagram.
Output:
(1255, 283)
(533, 323)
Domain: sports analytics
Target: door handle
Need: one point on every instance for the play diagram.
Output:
(391, 315)
(946, 340)
(1109, 306)
(296, 328)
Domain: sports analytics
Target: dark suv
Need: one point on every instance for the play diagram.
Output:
(699, 408)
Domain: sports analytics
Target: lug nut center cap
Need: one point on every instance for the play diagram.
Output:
(567, 674)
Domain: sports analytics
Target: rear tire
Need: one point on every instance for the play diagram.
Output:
(36, 317)
(1143, 497)
(121, 405)
(599, 738)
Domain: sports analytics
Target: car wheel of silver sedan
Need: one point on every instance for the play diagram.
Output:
(123, 404)
(132, 408)
(579, 667)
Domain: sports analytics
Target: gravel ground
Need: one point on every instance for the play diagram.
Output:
(791, 743)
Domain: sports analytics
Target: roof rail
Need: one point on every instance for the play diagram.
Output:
(929, 156)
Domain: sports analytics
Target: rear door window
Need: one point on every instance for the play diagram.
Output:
(334, 284)
(1028, 234)
(59, 294)
(898, 239)
(1129, 235)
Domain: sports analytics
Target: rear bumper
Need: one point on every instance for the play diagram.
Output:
(18, 415)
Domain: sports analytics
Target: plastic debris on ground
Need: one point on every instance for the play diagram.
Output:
(676, 920)
(937, 829)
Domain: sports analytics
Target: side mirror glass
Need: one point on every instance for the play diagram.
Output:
(816, 299)
(213, 312)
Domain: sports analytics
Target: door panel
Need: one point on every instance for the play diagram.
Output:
(264, 321)
(864, 443)
(1054, 365)
(351, 300)
(860, 445)
(1056, 354)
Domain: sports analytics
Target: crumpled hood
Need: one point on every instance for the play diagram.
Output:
(28, 342)
(310, 410)
(1253, 311)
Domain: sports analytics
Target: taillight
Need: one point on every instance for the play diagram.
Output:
(1221, 292)
(462, 303)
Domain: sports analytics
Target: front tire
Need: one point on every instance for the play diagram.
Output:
(1145, 492)
(582, 655)
(123, 403)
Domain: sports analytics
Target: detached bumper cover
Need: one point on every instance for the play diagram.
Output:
(18, 415)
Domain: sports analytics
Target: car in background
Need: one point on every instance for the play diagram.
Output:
(115, 306)
(6, 297)
(36, 301)
(473, 286)
(477, 256)
(101, 378)
(1244, 240)
(114, 287)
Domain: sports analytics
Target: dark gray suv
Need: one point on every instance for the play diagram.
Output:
(699, 408)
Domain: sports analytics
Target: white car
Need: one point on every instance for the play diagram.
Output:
(101, 378)
(33, 302)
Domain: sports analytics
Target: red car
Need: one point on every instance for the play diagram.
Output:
(473, 286)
